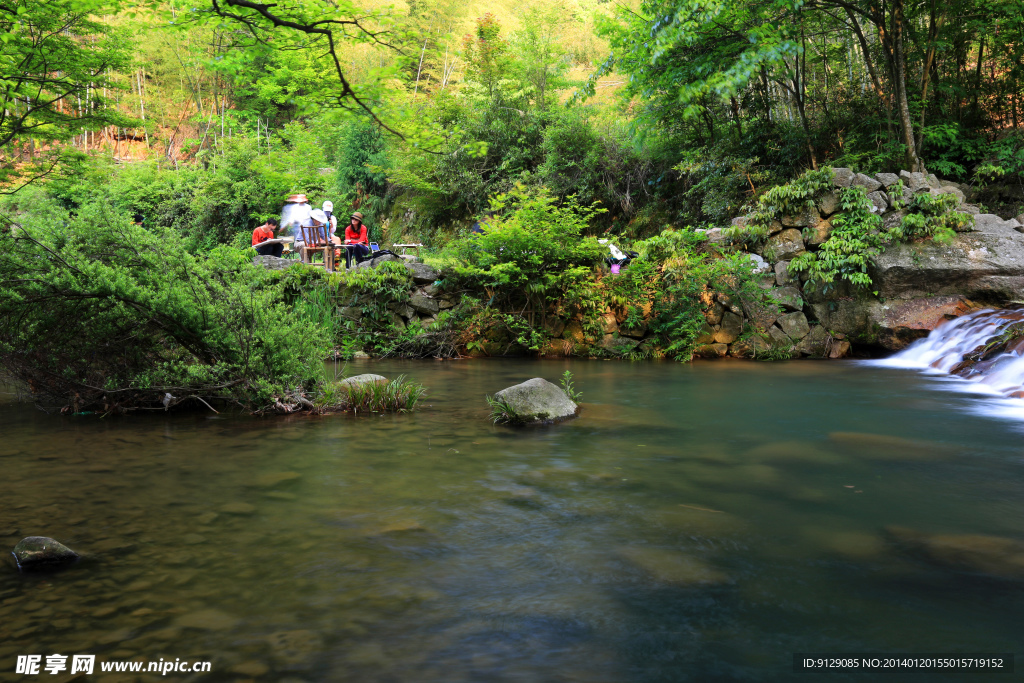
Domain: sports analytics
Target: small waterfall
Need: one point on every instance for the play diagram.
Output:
(986, 347)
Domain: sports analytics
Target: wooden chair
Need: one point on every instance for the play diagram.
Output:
(316, 240)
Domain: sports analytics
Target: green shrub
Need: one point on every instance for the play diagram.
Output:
(857, 237)
(568, 388)
(533, 254)
(100, 314)
(932, 216)
(689, 280)
(356, 307)
(502, 412)
(791, 198)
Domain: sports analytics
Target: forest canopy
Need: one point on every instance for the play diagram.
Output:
(204, 117)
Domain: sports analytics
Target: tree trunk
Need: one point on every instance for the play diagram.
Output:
(935, 26)
(799, 90)
(913, 161)
(876, 82)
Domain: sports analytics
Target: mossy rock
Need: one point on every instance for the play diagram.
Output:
(39, 553)
(534, 401)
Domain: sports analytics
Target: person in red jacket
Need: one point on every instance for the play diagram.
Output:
(262, 234)
(357, 241)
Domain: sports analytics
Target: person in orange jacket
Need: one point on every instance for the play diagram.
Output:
(262, 234)
(357, 241)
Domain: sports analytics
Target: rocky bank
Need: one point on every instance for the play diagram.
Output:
(916, 285)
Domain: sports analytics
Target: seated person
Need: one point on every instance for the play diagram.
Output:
(262, 234)
(332, 220)
(318, 220)
(357, 241)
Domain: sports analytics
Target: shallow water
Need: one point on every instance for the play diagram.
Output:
(698, 522)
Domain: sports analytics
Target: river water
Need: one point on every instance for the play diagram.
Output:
(699, 522)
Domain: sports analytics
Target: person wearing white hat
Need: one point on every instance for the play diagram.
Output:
(318, 219)
(332, 221)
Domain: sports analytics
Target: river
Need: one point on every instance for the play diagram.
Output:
(697, 522)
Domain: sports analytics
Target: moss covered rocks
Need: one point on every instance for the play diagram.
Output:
(40, 553)
(535, 401)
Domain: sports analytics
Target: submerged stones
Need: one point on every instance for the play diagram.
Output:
(667, 566)
(40, 554)
(532, 402)
(238, 508)
(994, 556)
(884, 447)
(207, 620)
(293, 648)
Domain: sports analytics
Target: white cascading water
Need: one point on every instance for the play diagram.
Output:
(947, 345)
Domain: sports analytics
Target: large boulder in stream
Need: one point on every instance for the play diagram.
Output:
(986, 264)
(891, 324)
(534, 401)
(40, 553)
(359, 380)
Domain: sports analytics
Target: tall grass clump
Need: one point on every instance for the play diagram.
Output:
(399, 395)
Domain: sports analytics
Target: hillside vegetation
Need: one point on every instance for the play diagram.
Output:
(642, 121)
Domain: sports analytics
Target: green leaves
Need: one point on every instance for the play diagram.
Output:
(96, 311)
(688, 51)
(56, 55)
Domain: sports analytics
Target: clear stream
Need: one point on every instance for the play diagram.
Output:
(698, 522)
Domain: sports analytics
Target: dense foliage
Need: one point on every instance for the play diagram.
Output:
(203, 119)
(99, 314)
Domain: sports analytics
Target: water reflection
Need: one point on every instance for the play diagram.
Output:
(697, 522)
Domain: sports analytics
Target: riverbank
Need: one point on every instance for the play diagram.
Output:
(833, 264)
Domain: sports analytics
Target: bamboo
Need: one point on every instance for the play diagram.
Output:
(419, 69)
(142, 106)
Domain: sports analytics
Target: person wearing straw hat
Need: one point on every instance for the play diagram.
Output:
(357, 241)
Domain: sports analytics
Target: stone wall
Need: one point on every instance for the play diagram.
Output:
(424, 301)
(919, 284)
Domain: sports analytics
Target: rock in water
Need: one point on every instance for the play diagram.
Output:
(39, 553)
(537, 400)
(368, 378)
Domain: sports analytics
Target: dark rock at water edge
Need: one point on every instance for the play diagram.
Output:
(730, 328)
(40, 553)
(794, 325)
(537, 401)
